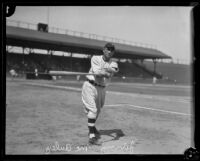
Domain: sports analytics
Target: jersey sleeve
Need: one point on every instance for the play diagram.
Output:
(96, 65)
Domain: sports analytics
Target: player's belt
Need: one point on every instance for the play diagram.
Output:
(94, 83)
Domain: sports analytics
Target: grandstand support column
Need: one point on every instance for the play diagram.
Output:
(51, 53)
(154, 62)
(71, 61)
(142, 60)
(23, 70)
(31, 51)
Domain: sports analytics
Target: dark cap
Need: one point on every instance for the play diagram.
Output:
(110, 46)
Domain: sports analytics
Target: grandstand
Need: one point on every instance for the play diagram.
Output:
(178, 73)
(134, 65)
(44, 63)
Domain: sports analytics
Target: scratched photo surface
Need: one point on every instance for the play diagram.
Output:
(149, 104)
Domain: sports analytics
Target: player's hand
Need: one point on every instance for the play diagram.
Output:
(113, 67)
(104, 73)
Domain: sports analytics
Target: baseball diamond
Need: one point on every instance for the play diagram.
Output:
(42, 115)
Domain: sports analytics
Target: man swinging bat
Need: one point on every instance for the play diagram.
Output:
(93, 90)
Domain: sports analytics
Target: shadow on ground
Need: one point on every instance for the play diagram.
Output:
(114, 133)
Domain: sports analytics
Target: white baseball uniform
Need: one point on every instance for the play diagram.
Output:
(93, 97)
(13, 73)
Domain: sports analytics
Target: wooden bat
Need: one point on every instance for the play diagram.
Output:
(52, 72)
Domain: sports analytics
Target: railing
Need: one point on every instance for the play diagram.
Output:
(175, 61)
(78, 34)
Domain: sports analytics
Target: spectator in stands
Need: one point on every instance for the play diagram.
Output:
(123, 77)
(175, 81)
(54, 78)
(78, 77)
(46, 71)
(154, 80)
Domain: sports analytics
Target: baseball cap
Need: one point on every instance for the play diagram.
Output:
(110, 46)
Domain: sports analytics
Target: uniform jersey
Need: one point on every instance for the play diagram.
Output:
(97, 65)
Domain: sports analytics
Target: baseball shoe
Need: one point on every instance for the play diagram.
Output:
(94, 141)
(97, 133)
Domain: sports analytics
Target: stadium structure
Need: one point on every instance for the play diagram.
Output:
(39, 36)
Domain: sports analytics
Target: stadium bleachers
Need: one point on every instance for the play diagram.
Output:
(28, 62)
(43, 62)
(132, 70)
(181, 73)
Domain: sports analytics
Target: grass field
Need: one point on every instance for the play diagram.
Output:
(46, 117)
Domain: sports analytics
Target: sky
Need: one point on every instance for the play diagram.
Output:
(167, 28)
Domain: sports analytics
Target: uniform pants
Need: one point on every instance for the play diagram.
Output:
(93, 98)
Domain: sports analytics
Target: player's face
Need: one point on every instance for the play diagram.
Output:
(108, 54)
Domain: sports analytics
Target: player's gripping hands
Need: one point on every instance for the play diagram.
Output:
(112, 69)
(104, 73)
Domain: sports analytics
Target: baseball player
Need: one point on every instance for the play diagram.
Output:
(93, 90)
(13, 73)
(36, 72)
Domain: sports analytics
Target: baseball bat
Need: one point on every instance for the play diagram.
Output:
(52, 72)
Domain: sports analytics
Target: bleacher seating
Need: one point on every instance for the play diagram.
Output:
(28, 63)
(132, 70)
(43, 62)
(181, 73)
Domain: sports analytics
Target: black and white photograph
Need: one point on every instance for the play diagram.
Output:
(99, 80)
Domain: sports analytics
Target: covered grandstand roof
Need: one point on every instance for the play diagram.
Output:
(16, 36)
